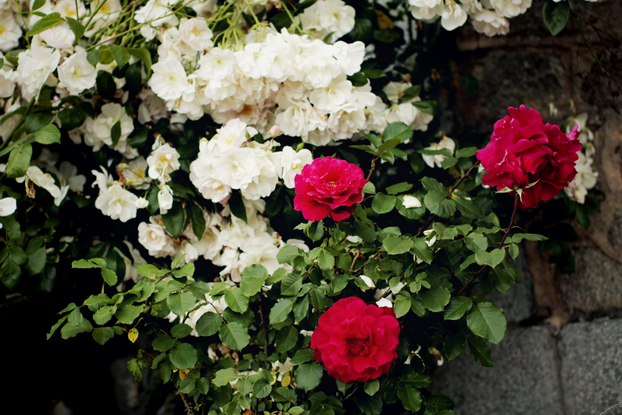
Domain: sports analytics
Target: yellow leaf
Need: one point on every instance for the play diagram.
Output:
(274, 374)
(384, 21)
(132, 335)
(183, 374)
(287, 379)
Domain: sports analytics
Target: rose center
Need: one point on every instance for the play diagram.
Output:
(359, 346)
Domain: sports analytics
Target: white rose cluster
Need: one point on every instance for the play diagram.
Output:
(294, 81)
(403, 110)
(228, 241)
(230, 161)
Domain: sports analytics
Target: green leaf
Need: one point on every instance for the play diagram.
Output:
(186, 271)
(399, 188)
(422, 250)
(432, 184)
(401, 305)
(179, 331)
(280, 311)
(234, 336)
(302, 356)
(76, 27)
(291, 285)
(181, 303)
(174, 220)
(198, 221)
(115, 133)
(237, 206)
(12, 228)
(97, 299)
(45, 23)
(286, 339)
(120, 55)
(369, 405)
(308, 376)
(183, 356)
(88, 263)
(369, 188)
(143, 55)
(261, 389)
(454, 344)
(106, 87)
(102, 334)
(129, 313)
(18, 255)
(427, 107)
(288, 253)
(435, 299)
(468, 208)
(253, 278)
(104, 314)
(396, 245)
(224, 376)
(492, 259)
(10, 274)
(236, 300)
(109, 276)
(457, 307)
(397, 129)
(383, 203)
(411, 398)
(163, 343)
(437, 203)
(466, 152)
(480, 351)
(37, 5)
(48, 135)
(371, 387)
(518, 237)
(388, 145)
(301, 308)
(68, 331)
(326, 260)
(487, 321)
(19, 161)
(208, 324)
(56, 326)
(476, 242)
(37, 121)
(556, 16)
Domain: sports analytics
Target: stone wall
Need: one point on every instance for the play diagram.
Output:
(563, 351)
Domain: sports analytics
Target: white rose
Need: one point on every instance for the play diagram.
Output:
(77, 74)
(163, 161)
(411, 202)
(59, 37)
(117, 203)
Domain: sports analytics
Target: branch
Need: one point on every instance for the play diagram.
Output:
(265, 328)
(507, 232)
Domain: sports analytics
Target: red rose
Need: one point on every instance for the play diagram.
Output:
(536, 160)
(356, 341)
(328, 186)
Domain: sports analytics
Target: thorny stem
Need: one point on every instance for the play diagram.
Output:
(186, 404)
(454, 187)
(507, 232)
(265, 328)
(348, 396)
(372, 168)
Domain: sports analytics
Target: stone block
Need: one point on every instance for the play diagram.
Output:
(523, 381)
(591, 367)
(595, 285)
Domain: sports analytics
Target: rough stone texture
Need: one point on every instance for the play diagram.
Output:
(595, 285)
(523, 381)
(591, 367)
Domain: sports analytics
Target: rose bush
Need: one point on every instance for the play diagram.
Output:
(356, 341)
(328, 186)
(529, 158)
(169, 148)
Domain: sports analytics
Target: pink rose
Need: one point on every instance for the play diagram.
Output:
(328, 186)
(356, 341)
(527, 155)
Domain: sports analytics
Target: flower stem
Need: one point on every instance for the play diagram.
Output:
(507, 232)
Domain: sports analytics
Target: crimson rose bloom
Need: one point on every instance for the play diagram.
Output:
(525, 154)
(356, 341)
(328, 186)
